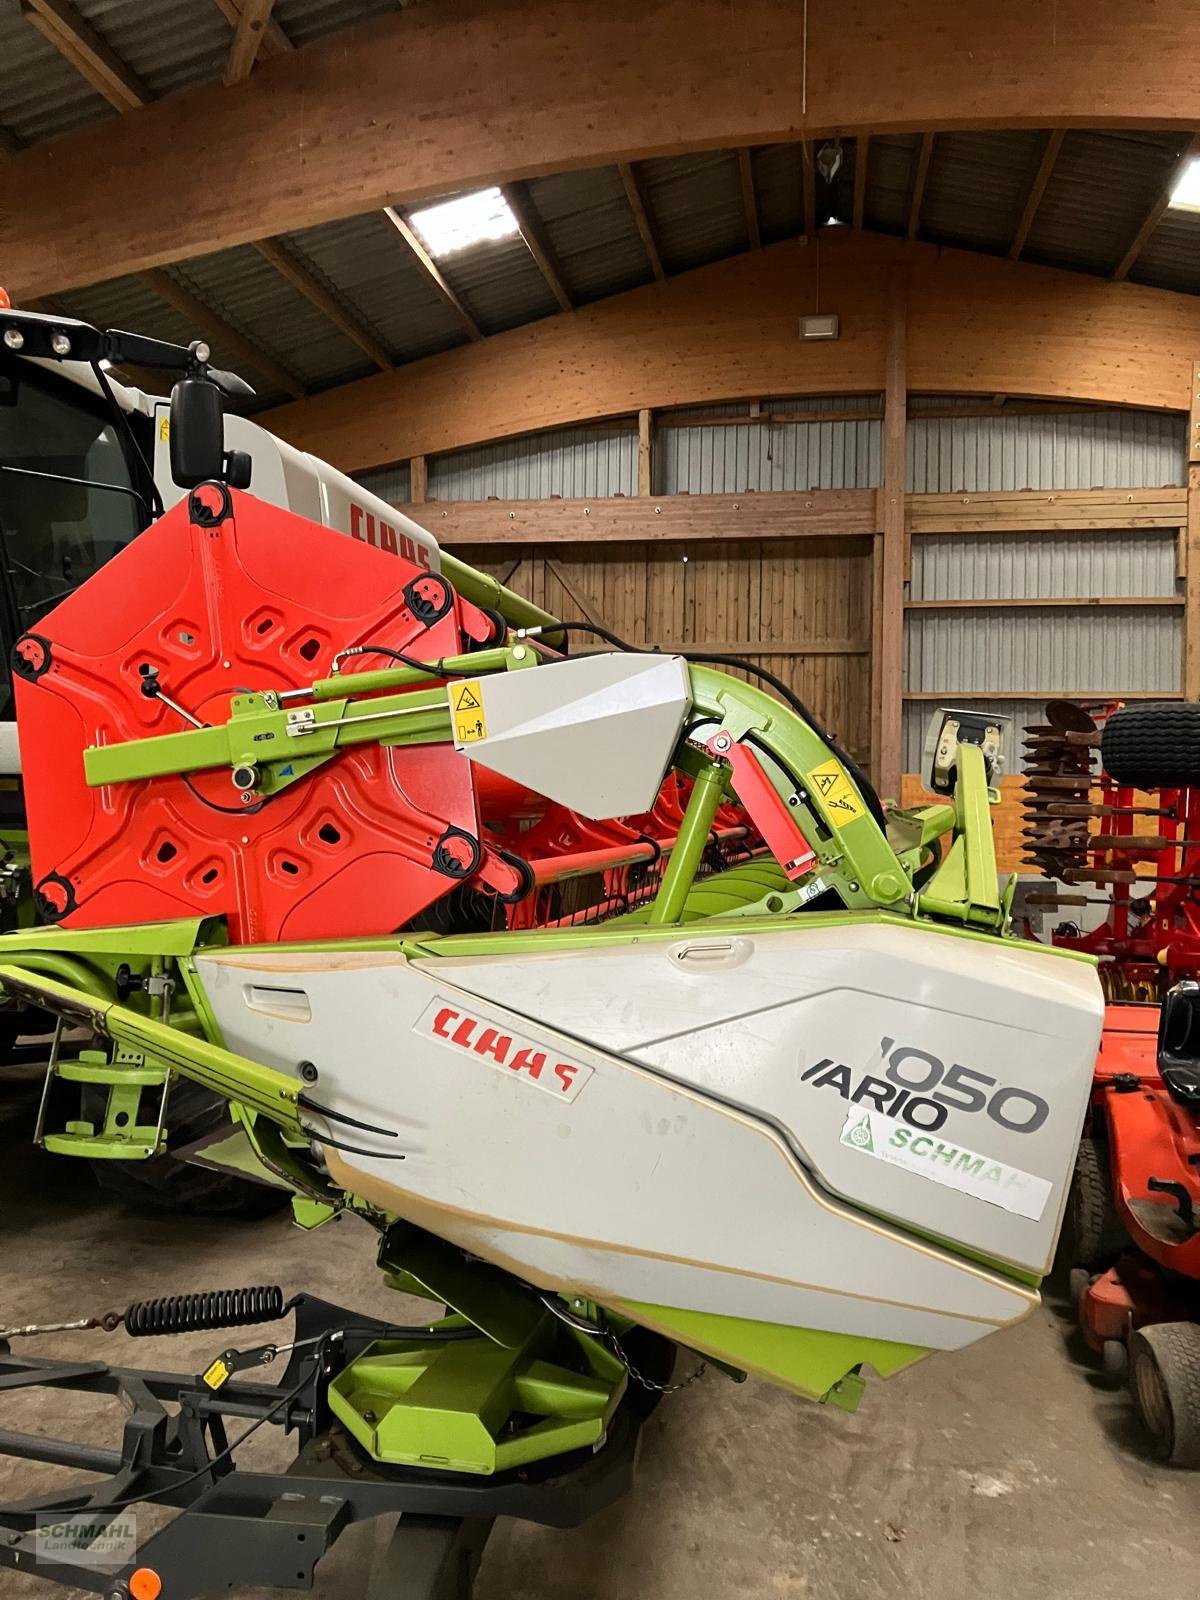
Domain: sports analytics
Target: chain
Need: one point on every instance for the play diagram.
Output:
(573, 1320)
(649, 1383)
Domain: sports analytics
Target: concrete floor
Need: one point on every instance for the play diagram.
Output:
(1008, 1471)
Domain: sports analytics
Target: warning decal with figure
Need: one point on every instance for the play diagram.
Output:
(466, 711)
(838, 795)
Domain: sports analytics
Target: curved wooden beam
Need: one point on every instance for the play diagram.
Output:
(455, 93)
(976, 325)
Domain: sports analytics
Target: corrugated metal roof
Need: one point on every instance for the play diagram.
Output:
(128, 303)
(891, 168)
(366, 263)
(41, 96)
(779, 187)
(169, 45)
(590, 227)
(500, 283)
(245, 289)
(1102, 187)
(696, 204)
(1171, 259)
(303, 20)
(976, 187)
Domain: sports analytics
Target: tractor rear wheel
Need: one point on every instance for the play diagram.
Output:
(1164, 1375)
(1092, 1232)
(1153, 746)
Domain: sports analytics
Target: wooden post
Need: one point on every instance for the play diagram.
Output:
(645, 475)
(1191, 615)
(418, 480)
(888, 666)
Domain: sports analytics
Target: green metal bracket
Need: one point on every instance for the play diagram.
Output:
(470, 1405)
(232, 1076)
(486, 1296)
(807, 773)
(276, 746)
(121, 1137)
(702, 807)
(966, 886)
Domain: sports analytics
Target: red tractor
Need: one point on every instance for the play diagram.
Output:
(1113, 814)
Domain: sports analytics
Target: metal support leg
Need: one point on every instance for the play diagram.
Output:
(39, 1130)
(705, 801)
(431, 1558)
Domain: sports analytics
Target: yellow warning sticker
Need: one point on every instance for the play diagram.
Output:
(164, 429)
(217, 1375)
(466, 709)
(836, 793)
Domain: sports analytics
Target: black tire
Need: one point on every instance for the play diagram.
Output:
(165, 1183)
(1164, 1377)
(1092, 1233)
(1152, 746)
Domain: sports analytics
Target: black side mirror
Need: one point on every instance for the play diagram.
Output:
(1179, 1042)
(197, 432)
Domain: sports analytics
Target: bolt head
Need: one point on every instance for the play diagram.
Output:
(60, 344)
(14, 338)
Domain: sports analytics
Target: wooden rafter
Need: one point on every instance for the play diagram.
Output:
(537, 116)
(749, 199)
(862, 157)
(808, 179)
(520, 203)
(1155, 214)
(247, 39)
(433, 272)
(328, 304)
(79, 43)
(92, 57)
(1054, 143)
(642, 218)
(207, 324)
(274, 41)
(924, 155)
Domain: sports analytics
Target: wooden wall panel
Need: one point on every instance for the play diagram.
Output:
(781, 594)
(730, 331)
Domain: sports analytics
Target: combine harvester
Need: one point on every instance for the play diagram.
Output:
(808, 1114)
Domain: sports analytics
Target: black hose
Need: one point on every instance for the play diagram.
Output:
(435, 669)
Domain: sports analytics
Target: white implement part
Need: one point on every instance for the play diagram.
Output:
(595, 734)
(981, 1051)
(10, 750)
(714, 1173)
